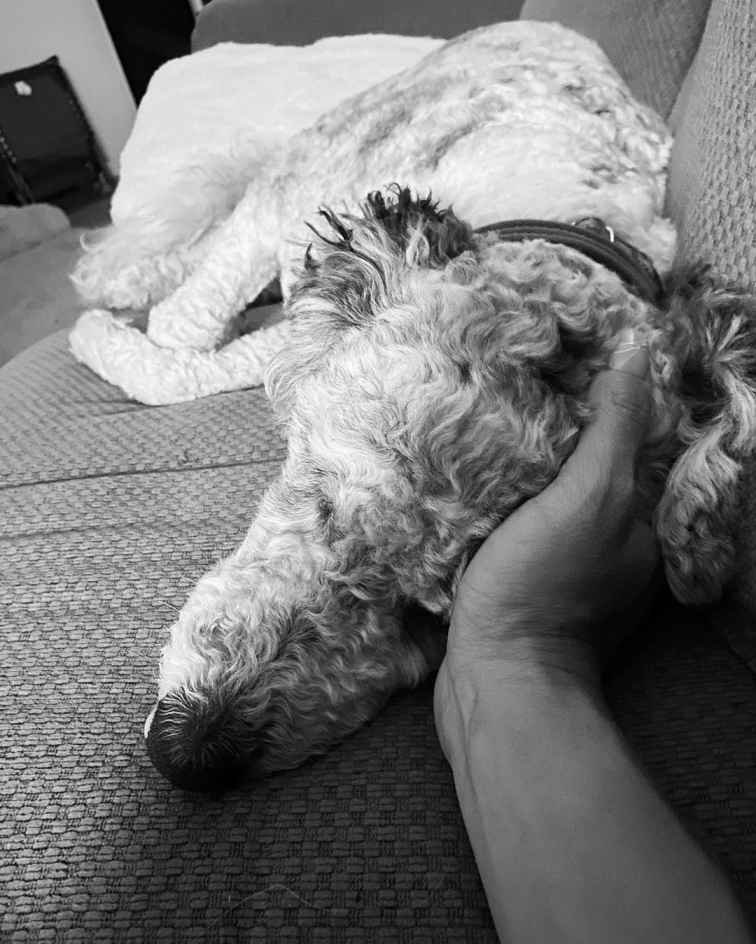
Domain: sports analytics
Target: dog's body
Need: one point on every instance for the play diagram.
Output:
(513, 120)
(483, 110)
(432, 379)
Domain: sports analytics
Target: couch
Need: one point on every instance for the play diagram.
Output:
(110, 510)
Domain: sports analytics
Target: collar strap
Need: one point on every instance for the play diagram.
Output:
(594, 239)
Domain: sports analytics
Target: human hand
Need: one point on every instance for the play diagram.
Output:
(567, 832)
(561, 577)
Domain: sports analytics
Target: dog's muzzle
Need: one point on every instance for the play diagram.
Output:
(192, 744)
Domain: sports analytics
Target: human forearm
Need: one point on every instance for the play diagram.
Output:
(572, 841)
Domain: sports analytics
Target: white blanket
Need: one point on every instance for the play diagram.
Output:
(208, 117)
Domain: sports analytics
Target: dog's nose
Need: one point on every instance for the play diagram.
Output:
(190, 741)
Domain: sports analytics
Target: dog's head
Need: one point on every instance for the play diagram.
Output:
(436, 379)
(405, 270)
(263, 671)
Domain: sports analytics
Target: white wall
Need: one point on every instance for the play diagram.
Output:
(74, 31)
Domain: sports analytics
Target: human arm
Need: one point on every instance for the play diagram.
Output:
(572, 841)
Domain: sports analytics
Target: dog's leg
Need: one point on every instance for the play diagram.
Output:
(133, 266)
(158, 237)
(125, 357)
(696, 518)
(243, 261)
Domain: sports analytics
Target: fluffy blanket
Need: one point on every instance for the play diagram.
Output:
(208, 118)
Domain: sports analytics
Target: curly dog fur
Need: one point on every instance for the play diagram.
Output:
(435, 379)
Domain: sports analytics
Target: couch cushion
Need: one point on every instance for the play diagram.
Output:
(712, 185)
(109, 511)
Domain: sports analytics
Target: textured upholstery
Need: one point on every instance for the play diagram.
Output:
(109, 511)
(712, 191)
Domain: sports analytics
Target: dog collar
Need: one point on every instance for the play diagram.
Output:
(595, 239)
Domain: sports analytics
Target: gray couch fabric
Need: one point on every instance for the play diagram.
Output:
(109, 511)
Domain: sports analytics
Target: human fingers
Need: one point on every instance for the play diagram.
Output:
(609, 445)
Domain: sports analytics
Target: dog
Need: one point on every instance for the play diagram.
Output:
(434, 375)
(436, 378)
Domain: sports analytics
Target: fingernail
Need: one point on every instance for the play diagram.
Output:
(630, 355)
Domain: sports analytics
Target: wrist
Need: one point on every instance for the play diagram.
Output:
(473, 693)
(524, 649)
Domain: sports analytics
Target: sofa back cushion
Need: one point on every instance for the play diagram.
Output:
(712, 181)
(298, 22)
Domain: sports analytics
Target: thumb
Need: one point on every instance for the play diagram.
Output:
(621, 397)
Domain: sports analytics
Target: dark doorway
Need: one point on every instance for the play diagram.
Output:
(146, 34)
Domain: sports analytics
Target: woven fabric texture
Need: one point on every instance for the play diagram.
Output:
(712, 185)
(109, 512)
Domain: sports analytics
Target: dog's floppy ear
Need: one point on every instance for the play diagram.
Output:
(356, 271)
(395, 227)
(696, 520)
(405, 217)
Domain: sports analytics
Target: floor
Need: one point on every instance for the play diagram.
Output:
(36, 296)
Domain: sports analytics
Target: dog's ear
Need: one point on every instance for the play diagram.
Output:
(713, 330)
(405, 218)
(355, 271)
(395, 229)
(414, 226)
